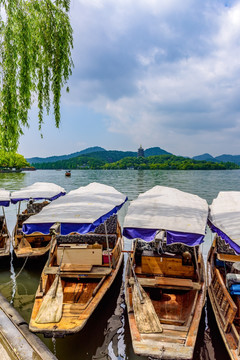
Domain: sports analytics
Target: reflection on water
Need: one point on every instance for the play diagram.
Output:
(13, 275)
(113, 344)
(107, 335)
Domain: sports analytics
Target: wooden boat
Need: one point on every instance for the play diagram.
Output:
(38, 196)
(165, 279)
(4, 233)
(223, 270)
(17, 342)
(68, 173)
(84, 261)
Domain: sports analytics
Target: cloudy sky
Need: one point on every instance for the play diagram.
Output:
(157, 73)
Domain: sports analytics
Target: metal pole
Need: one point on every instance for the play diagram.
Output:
(109, 258)
(16, 227)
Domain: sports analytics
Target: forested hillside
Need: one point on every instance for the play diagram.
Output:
(109, 160)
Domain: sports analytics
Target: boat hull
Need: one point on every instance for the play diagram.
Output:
(178, 337)
(82, 285)
(230, 336)
(5, 238)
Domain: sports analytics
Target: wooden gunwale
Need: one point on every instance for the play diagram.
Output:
(4, 239)
(176, 341)
(31, 252)
(230, 336)
(75, 315)
(23, 244)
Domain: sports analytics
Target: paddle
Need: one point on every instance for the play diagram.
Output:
(51, 308)
(145, 315)
(136, 283)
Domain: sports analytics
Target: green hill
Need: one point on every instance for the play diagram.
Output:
(37, 160)
(111, 160)
(205, 156)
(155, 151)
(109, 155)
(232, 158)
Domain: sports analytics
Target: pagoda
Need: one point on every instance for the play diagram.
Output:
(141, 151)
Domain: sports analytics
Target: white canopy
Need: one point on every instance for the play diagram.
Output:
(4, 197)
(38, 191)
(225, 217)
(164, 208)
(81, 210)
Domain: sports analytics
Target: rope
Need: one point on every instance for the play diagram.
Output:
(9, 282)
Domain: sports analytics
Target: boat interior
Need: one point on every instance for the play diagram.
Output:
(3, 233)
(225, 285)
(83, 263)
(170, 275)
(25, 243)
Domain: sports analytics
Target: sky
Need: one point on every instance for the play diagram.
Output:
(156, 73)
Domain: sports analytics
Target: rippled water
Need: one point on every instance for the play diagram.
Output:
(106, 335)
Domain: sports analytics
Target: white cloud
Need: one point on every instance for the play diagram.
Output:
(162, 73)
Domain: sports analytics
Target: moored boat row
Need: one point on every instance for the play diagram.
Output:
(165, 284)
(223, 268)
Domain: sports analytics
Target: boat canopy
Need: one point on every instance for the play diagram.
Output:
(224, 217)
(38, 191)
(4, 197)
(80, 211)
(182, 215)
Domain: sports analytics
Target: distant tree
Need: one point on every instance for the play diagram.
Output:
(35, 62)
(12, 160)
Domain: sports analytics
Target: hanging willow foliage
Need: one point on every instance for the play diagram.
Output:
(35, 62)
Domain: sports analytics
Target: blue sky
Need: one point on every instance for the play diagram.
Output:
(157, 73)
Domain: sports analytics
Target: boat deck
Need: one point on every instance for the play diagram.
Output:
(16, 341)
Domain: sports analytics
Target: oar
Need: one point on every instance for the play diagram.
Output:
(51, 308)
(135, 280)
(145, 315)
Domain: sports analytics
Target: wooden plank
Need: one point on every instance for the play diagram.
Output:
(76, 267)
(168, 282)
(145, 315)
(167, 334)
(163, 338)
(226, 293)
(168, 266)
(175, 328)
(228, 257)
(172, 321)
(96, 271)
(80, 256)
(227, 319)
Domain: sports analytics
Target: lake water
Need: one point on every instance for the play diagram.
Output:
(106, 335)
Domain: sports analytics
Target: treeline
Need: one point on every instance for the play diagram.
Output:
(162, 162)
(12, 160)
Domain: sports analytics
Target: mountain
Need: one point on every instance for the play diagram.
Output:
(221, 158)
(155, 151)
(232, 158)
(37, 160)
(99, 153)
(204, 157)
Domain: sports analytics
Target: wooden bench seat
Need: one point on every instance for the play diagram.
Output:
(85, 271)
(228, 257)
(168, 283)
(76, 267)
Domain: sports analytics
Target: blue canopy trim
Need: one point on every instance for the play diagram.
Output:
(172, 236)
(5, 203)
(68, 228)
(233, 245)
(188, 239)
(29, 229)
(144, 234)
(235, 289)
(15, 201)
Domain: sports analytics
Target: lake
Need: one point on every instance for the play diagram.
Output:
(106, 335)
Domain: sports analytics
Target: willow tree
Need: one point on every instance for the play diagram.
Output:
(35, 63)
